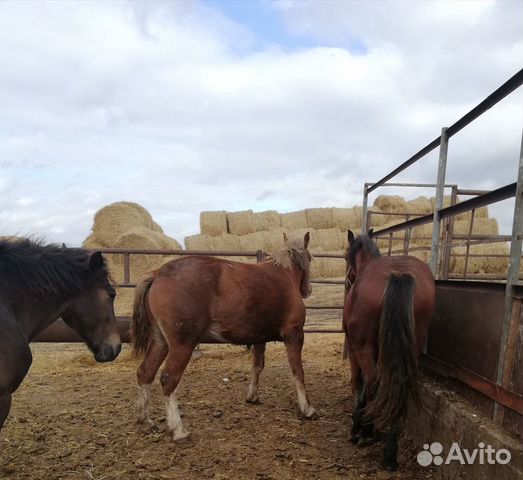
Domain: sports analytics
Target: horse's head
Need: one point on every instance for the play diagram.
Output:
(91, 313)
(358, 253)
(300, 258)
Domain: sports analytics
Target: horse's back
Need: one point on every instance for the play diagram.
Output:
(232, 301)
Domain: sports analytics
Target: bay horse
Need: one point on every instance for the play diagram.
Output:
(40, 283)
(229, 301)
(386, 318)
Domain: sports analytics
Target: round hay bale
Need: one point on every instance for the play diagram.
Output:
(115, 219)
(213, 223)
(241, 223)
(294, 220)
(268, 220)
(199, 242)
(379, 218)
(391, 203)
(319, 218)
(420, 205)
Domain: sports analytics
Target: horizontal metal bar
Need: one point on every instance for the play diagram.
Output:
(471, 192)
(487, 387)
(329, 282)
(494, 196)
(396, 213)
(322, 331)
(422, 185)
(326, 307)
(508, 87)
(478, 276)
(145, 251)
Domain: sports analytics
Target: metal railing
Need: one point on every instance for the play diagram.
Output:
(514, 190)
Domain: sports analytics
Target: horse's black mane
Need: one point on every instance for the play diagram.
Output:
(362, 242)
(44, 269)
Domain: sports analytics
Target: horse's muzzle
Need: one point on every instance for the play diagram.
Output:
(107, 352)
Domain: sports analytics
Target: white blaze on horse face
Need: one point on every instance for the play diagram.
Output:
(306, 409)
(174, 420)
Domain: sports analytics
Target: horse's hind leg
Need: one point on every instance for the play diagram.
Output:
(156, 353)
(294, 345)
(258, 362)
(359, 398)
(177, 359)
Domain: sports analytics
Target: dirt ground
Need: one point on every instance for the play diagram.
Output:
(74, 419)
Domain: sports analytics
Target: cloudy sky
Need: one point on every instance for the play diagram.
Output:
(203, 105)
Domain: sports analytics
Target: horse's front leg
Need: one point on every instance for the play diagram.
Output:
(177, 359)
(258, 362)
(294, 344)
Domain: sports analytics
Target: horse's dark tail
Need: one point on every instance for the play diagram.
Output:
(140, 323)
(396, 383)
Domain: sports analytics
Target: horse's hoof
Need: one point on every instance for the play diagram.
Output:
(354, 439)
(253, 400)
(185, 440)
(148, 426)
(310, 414)
(389, 465)
(365, 442)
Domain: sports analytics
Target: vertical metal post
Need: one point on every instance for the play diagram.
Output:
(390, 243)
(364, 219)
(259, 256)
(512, 280)
(440, 189)
(449, 231)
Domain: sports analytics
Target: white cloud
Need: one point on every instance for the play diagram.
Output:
(176, 107)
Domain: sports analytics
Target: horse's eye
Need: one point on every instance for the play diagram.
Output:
(112, 294)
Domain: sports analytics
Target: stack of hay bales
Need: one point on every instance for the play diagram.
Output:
(250, 231)
(128, 225)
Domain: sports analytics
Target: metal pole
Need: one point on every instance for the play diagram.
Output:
(440, 190)
(364, 225)
(512, 280)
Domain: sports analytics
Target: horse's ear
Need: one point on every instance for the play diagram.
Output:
(306, 239)
(96, 261)
(285, 237)
(370, 233)
(350, 236)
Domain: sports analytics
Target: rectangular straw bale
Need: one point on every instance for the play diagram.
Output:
(213, 223)
(346, 218)
(329, 239)
(267, 241)
(482, 226)
(294, 220)
(227, 242)
(268, 220)
(241, 223)
(319, 218)
(199, 242)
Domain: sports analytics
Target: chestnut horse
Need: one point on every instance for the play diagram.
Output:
(40, 283)
(232, 302)
(386, 319)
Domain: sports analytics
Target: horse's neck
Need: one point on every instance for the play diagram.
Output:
(362, 259)
(33, 317)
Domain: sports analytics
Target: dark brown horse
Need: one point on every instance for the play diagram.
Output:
(38, 284)
(386, 319)
(230, 301)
